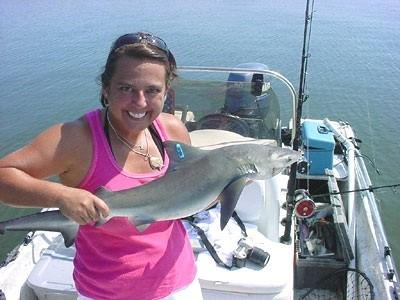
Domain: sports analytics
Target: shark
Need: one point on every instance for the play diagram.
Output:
(196, 179)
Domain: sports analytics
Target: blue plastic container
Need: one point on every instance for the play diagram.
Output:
(318, 145)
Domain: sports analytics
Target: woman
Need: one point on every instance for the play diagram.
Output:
(118, 147)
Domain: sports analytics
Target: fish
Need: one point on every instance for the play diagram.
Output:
(196, 179)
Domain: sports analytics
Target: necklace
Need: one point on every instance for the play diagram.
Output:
(154, 161)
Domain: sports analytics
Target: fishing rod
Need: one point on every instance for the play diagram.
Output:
(369, 189)
(302, 97)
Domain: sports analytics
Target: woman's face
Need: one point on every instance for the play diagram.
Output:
(136, 93)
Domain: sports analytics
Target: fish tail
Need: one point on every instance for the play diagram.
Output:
(2, 228)
(69, 234)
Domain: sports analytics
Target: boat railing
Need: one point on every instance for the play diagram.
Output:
(358, 174)
(364, 182)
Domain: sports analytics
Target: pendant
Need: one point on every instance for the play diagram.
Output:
(139, 147)
(155, 163)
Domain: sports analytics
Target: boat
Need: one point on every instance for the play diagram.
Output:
(311, 232)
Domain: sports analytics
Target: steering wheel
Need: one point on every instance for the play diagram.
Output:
(224, 121)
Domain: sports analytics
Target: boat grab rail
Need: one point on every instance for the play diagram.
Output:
(364, 182)
(357, 165)
(274, 74)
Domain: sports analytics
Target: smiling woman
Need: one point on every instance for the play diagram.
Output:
(139, 45)
(85, 154)
(135, 95)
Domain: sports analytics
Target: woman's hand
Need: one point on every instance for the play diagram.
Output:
(82, 206)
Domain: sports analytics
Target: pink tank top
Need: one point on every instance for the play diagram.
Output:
(115, 261)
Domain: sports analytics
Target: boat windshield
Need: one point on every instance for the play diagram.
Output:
(204, 99)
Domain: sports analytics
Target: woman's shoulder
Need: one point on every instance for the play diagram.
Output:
(75, 149)
(55, 151)
(76, 136)
(62, 135)
(78, 128)
(174, 127)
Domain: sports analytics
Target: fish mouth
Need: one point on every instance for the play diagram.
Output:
(137, 115)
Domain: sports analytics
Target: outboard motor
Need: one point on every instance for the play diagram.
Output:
(250, 97)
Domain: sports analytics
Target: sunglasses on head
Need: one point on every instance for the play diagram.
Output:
(140, 38)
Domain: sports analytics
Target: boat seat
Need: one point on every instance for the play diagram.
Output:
(256, 282)
(253, 193)
(273, 280)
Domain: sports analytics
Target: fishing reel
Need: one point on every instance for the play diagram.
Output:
(246, 251)
(305, 206)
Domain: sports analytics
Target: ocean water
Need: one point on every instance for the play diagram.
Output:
(51, 53)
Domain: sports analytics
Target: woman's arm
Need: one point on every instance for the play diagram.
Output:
(57, 151)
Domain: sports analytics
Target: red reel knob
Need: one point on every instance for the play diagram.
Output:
(304, 208)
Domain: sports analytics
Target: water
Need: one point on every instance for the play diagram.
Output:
(51, 53)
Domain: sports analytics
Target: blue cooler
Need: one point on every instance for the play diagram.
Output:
(318, 145)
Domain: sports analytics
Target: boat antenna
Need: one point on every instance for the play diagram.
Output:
(302, 97)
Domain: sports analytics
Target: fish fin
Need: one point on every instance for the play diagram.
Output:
(229, 198)
(102, 221)
(141, 223)
(69, 234)
(143, 227)
(180, 152)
